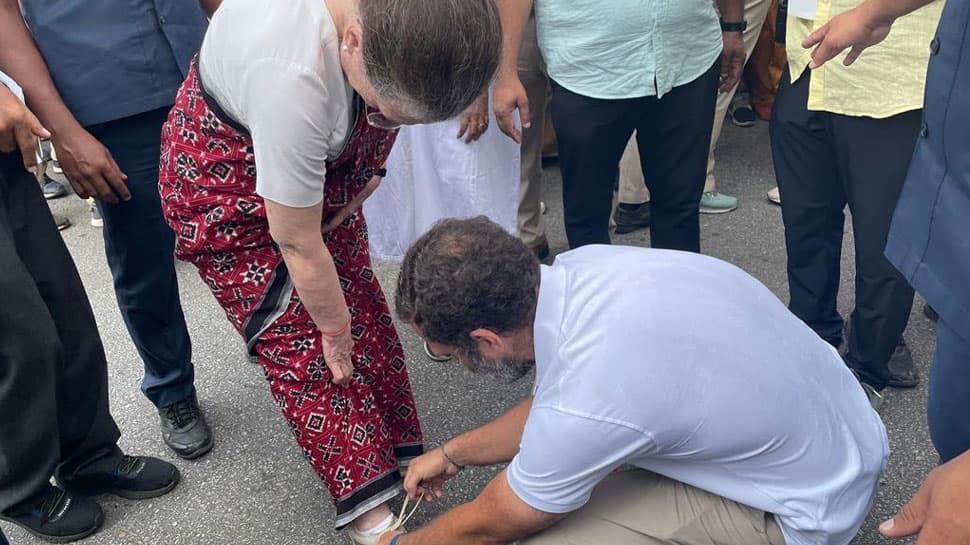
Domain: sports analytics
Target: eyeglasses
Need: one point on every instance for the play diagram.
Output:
(434, 357)
(379, 121)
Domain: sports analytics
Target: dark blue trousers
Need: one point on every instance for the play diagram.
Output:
(139, 246)
(948, 409)
(823, 162)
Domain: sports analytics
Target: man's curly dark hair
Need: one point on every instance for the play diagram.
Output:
(467, 274)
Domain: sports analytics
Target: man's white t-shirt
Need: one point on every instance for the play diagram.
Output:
(275, 68)
(686, 366)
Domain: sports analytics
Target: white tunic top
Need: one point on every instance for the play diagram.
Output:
(274, 67)
(686, 366)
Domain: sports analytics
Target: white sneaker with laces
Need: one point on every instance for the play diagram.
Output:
(397, 525)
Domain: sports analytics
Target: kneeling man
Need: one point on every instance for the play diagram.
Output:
(740, 424)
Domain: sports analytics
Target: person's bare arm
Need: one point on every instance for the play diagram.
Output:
(297, 233)
(732, 56)
(509, 93)
(859, 28)
(87, 164)
(496, 517)
(493, 443)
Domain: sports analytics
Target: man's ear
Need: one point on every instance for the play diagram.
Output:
(490, 344)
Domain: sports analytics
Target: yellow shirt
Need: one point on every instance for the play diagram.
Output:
(886, 80)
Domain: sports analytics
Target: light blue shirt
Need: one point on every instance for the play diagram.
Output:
(627, 48)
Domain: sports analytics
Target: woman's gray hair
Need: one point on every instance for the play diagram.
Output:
(433, 56)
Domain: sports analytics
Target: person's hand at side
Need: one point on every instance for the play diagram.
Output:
(509, 96)
(861, 27)
(940, 510)
(732, 61)
(338, 350)
(19, 128)
(89, 167)
(474, 120)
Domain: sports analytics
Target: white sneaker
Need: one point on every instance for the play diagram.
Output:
(397, 525)
(774, 196)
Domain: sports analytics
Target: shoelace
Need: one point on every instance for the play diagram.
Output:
(402, 519)
(128, 464)
(50, 505)
(182, 413)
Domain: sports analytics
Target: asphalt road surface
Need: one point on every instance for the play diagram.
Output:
(256, 488)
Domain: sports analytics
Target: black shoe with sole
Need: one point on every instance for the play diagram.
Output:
(134, 478)
(902, 370)
(630, 217)
(184, 428)
(57, 516)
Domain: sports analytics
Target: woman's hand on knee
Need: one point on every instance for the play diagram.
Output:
(337, 352)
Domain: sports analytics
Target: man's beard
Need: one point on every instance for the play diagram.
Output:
(508, 371)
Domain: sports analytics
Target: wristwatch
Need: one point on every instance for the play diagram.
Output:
(733, 27)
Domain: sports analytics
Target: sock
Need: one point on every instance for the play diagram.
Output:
(380, 528)
(630, 207)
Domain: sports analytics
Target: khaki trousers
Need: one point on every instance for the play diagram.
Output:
(642, 508)
(633, 188)
(532, 74)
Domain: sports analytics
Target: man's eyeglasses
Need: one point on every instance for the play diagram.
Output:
(434, 357)
(377, 120)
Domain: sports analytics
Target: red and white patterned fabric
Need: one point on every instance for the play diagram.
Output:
(355, 437)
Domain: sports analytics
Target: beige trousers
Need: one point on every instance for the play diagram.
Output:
(642, 508)
(633, 189)
(532, 74)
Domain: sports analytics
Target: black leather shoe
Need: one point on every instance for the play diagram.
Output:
(134, 478)
(629, 219)
(902, 371)
(57, 516)
(184, 428)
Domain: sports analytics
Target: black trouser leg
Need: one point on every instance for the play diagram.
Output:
(53, 373)
(873, 158)
(140, 249)
(812, 203)
(674, 138)
(591, 134)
